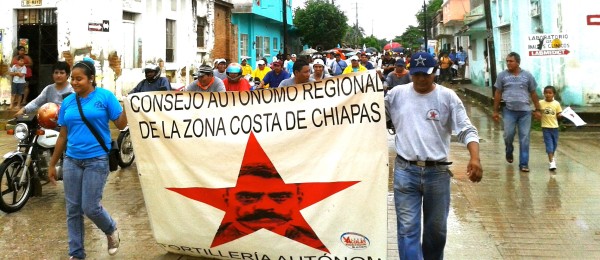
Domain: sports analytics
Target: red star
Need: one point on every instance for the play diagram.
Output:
(262, 200)
(433, 114)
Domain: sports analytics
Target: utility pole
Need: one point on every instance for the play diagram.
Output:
(490, 43)
(357, 31)
(285, 32)
(425, 26)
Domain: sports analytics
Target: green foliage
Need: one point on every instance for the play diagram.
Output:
(411, 38)
(320, 23)
(371, 41)
(432, 7)
(354, 36)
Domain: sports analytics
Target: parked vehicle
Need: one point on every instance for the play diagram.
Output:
(126, 154)
(25, 170)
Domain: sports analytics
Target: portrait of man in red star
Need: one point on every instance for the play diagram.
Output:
(261, 199)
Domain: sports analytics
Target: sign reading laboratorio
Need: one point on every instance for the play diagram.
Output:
(25, 3)
(548, 45)
(299, 172)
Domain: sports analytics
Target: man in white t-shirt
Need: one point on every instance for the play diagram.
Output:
(424, 115)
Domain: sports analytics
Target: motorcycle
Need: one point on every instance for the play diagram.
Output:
(24, 170)
(126, 154)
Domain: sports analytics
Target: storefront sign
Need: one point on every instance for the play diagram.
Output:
(26, 3)
(543, 45)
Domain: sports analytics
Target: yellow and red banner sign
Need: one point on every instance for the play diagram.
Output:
(286, 173)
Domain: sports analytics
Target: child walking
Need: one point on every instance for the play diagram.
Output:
(550, 113)
(18, 72)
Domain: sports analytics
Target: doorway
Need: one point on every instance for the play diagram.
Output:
(38, 29)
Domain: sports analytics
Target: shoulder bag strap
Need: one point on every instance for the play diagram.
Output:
(87, 123)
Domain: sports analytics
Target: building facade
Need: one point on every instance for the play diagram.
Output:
(260, 28)
(120, 35)
(555, 39)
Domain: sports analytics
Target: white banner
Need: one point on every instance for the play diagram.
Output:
(568, 113)
(287, 173)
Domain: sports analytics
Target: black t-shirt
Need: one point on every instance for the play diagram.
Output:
(388, 65)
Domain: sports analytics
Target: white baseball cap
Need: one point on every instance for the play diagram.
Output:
(318, 62)
(260, 62)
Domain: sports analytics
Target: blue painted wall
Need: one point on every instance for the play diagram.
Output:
(477, 60)
(264, 21)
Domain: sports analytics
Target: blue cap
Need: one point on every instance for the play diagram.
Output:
(400, 62)
(421, 62)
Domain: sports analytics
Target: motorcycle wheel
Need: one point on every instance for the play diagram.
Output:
(13, 195)
(126, 155)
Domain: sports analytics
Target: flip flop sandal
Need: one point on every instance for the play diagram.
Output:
(524, 169)
(509, 158)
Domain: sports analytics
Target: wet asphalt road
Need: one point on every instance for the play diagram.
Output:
(509, 215)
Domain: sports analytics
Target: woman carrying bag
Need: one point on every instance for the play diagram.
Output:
(86, 163)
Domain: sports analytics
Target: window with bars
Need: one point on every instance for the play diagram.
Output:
(201, 24)
(244, 44)
(267, 45)
(259, 47)
(171, 40)
(200, 35)
(36, 16)
(505, 46)
(275, 45)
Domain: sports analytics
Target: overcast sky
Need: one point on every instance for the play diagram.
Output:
(382, 18)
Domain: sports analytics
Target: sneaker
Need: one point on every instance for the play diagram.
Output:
(552, 165)
(113, 242)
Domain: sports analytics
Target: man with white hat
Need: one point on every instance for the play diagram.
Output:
(219, 72)
(319, 70)
(259, 73)
(424, 115)
(206, 81)
(355, 66)
(289, 66)
(246, 68)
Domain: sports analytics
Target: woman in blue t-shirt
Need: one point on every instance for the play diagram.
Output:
(85, 164)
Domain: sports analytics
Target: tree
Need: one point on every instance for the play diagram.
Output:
(372, 41)
(432, 7)
(354, 36)
(320, 23)
(411, 38)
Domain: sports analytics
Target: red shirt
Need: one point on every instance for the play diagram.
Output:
(241, 85)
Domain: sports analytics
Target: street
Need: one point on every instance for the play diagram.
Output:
(509, 215)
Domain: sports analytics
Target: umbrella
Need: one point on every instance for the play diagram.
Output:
(398, 49)
(371, 50)
(308, 51)
(391, 45)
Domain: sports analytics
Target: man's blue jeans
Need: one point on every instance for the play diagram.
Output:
(84, 182)
(520, 120)
(425, 189)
